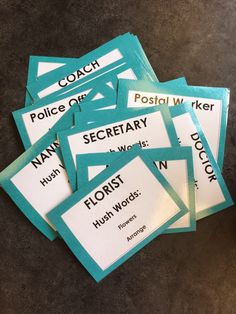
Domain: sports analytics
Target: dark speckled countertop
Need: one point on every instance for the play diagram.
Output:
(178, 273)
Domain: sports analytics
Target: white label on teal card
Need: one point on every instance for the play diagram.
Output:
(179, 182)
(45, 67)
(153, 129)
(37, 181)
(206, 110)
(117, 215)
(93, 171)
(131, 74)
(211, 192)
(92, 67)
(174, 163)
(35, 121)
(209, 104)
(204, 172)
(121, 214)
(121, 136)
(40, 65)
(43, 182)
(175, 172)
(107, 82)
(127, 74)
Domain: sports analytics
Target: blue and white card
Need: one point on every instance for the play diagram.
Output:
(37, 181)
(211, 191)
(109, 220)
(210, 105)
(150, 128)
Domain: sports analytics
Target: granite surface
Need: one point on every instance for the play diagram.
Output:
(178, 273)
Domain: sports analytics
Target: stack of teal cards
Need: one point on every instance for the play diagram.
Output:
(113, 157)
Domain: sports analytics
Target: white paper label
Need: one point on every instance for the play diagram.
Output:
(43, 182)
(93, 171)
(208, 191)
(98, 96)
(208, 111)
(45, 67)
(176, 173)
(38, 121)
(148, 130)
(123, 218)
(127, 74)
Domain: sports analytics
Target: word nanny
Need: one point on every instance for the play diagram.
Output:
(45, 155)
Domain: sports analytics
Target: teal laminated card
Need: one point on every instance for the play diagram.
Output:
(37, 180)
(211, 191)
(150, 128)
(109, 220)
(103, 59)
(176, 165)
(210, 105)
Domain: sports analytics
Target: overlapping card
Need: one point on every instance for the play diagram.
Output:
(114, 158)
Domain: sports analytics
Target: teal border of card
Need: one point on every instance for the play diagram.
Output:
(102, 122)
(83, 161)
(187, 109)
(55, 216)
(218, 93)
